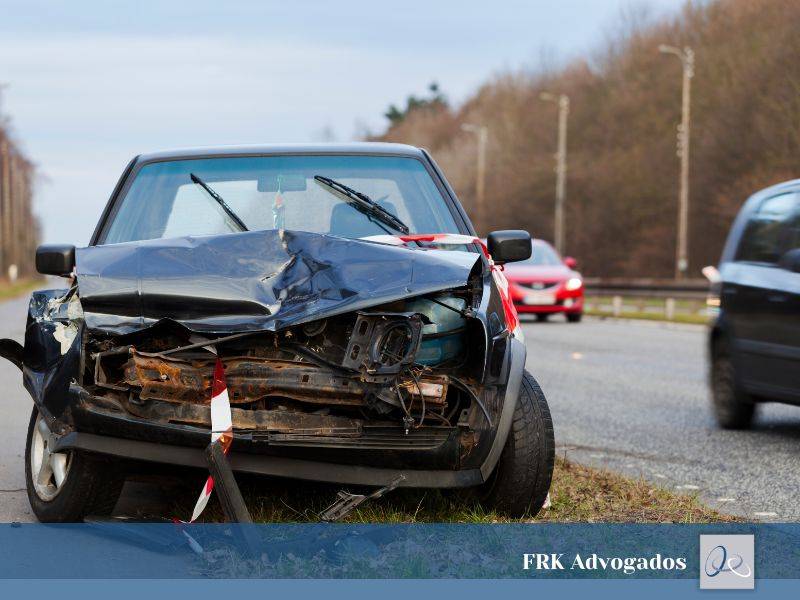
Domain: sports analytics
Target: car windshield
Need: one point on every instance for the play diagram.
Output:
(542, 255)
(218, 195)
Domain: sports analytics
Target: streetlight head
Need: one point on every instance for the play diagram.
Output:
(666, 49)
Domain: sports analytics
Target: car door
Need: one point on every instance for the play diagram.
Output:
(766, 297)
(783, 317)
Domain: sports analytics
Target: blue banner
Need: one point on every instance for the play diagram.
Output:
(440, 551)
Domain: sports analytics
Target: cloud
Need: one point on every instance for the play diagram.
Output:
(94, 85)
(85, 105)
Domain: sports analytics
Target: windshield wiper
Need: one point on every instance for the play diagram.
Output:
(233, 216)
(363, 204)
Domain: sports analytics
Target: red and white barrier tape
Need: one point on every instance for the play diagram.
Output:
(221, 429)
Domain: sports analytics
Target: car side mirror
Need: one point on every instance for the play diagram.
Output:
(509, 245)
(571, 263)
(55, 259)
(791, 260)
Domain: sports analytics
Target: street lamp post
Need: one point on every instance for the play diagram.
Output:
(562, 100)
(480, 177)
(686, 57)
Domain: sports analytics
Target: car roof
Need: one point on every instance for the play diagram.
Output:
(376, 148)
(791, 185)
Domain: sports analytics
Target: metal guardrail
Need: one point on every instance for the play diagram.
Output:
(688, 289)
(620, 296)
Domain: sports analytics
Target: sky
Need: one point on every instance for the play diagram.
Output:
(88, 85)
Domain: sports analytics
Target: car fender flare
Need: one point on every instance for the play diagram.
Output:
(519, 353)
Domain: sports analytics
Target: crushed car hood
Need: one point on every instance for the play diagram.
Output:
(258, 280)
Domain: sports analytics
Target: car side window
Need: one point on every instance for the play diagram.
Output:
(793, 229)
(771, 231)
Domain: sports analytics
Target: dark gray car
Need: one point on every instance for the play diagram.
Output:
(365, 333)
(755, 339)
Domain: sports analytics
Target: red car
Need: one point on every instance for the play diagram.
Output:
(546, 284)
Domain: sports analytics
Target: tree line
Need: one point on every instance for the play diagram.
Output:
(19, 228)
(622, 182)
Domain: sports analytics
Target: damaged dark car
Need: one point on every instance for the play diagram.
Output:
(366, 333)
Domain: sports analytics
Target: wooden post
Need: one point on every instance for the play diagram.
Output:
(18, 229)
(13, 257)
(4, 206)
(617, 304)
(483, 138)
(669, 309)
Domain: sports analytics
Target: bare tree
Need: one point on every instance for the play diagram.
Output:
(625, 102)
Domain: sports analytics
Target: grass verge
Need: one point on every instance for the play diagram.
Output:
(23, 286)
(578, 494)
(648, 309)
(646, 316)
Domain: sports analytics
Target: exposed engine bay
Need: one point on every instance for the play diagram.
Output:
(402, 364)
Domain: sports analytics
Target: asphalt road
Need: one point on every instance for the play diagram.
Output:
(632, 396)
(15, 411)
(626, 395)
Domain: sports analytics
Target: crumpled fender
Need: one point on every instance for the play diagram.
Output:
(52, 352)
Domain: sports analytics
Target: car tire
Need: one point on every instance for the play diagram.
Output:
(521, 479)
(542, 317)
(733, 407)
(574, 317)
(90, 485)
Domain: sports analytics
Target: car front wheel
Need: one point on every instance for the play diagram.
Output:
(67, 486)
(521, 480)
